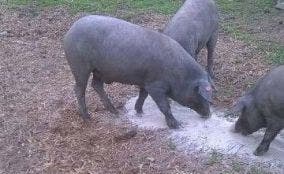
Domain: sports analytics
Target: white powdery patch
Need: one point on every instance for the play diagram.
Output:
(198, 134)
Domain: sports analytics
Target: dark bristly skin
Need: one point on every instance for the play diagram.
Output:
(195, 26)
(114, 50)
(263, 106)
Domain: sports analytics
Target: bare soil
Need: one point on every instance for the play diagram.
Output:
(40, 127)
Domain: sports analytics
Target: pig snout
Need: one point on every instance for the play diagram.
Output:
(239, 129)
(204, 113)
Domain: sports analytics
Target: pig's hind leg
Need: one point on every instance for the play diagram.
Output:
(211, 44)
(80, 90)
(140, 101)
(98, 85)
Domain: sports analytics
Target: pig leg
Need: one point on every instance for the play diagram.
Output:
(210, 53)
(80, 90)
(140, 101)
(158, 93)
(270, 133)
(98, 85)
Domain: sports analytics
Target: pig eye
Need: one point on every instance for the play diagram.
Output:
(208, 88)
(206, 92)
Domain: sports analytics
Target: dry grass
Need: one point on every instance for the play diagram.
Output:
(40, 130)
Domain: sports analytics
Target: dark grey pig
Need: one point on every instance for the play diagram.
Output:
(114, 50)
(195, 26)
(263, 106)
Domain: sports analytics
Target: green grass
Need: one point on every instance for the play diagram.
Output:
(244, 8)
(276, 55)
(215, 157)
(240, 15)
(237, 15)
(106, 6)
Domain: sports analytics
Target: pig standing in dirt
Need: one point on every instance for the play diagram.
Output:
(195, 26)
(114, 50)
(263, 106)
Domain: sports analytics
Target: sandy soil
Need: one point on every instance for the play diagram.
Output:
(40, 129)
(206, 135)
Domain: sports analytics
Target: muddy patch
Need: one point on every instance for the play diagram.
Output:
(207, 135)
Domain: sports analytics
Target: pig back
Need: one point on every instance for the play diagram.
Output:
(269, 93)
(123, 52)
(194, 22)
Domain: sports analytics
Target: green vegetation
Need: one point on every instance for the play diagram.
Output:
(258, 170)
(276, 54)
(106, 6)
(215, 157)
(238, 16)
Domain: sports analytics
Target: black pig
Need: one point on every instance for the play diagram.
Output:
(195, 26)
(114, 50)
(263, 106)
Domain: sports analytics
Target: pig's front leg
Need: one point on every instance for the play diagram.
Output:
(270, 133)
(140, 101)
(158, 92)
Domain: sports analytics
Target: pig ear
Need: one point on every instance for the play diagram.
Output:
(242, 102)
(205, 90)
(238, 106)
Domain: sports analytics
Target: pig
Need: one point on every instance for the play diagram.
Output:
(114, 50)
(263, 106)
(195, 26)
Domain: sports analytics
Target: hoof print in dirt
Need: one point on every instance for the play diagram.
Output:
(115, 115)
(126, 135)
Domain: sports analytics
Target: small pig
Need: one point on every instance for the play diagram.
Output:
(263, 106)
(195, 26)
(114, 50)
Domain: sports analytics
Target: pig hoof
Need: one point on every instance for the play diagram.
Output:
(205, 116)
(139, 111)
(139, 114)
(114, 111)
(86, 117)
(259, 151)
(173, 124)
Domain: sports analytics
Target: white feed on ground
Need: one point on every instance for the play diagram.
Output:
(198, 134)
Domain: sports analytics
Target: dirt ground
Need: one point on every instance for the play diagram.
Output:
(40, 129)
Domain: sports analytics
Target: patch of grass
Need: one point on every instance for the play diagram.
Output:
(238, 16)
(245, 9)
(276, 55)
(215, 157)
(160, 6)
(257, 170)
(274, 52)
(106, 6)
(237, 167)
